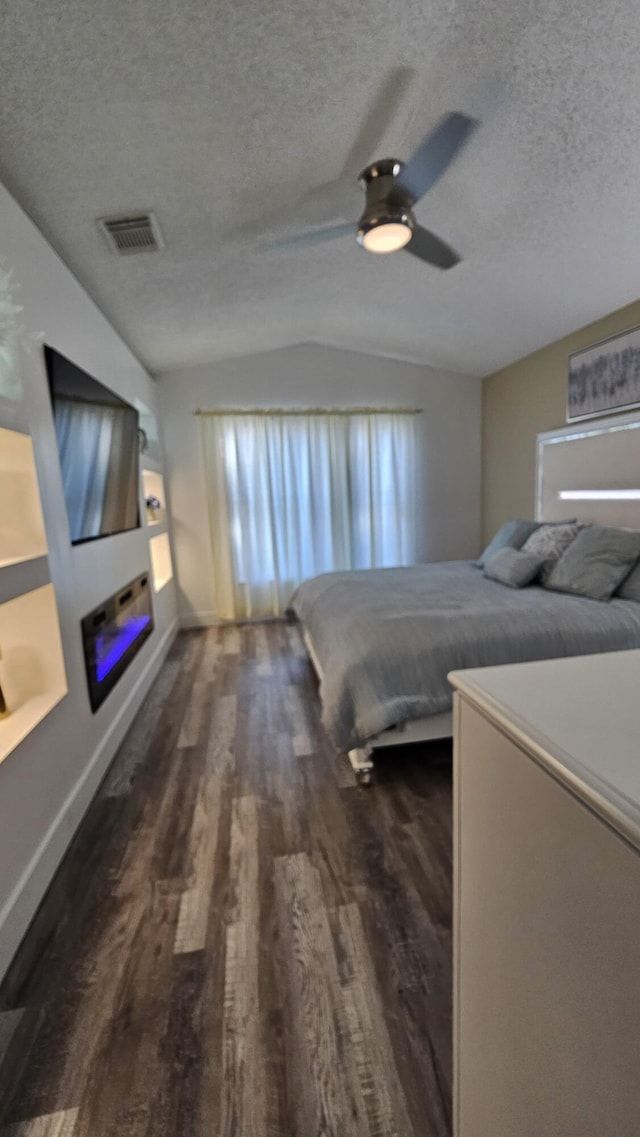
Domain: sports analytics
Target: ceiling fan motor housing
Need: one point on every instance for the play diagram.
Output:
(378, 182)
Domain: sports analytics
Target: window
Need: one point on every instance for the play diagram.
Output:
(296, 494)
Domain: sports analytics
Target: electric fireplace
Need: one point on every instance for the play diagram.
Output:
(113, 634)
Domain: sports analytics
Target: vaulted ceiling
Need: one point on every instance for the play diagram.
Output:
(226, 119)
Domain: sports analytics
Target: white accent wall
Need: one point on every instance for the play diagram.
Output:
(313, 375)
(47, 782)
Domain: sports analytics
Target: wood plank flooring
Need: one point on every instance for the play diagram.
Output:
(240, 942)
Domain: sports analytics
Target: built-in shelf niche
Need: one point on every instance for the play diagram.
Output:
(149, 428)
(161, 564)
(22, 535)
(153, 486)
(32, 671)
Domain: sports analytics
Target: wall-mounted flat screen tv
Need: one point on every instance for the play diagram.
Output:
(97, 435)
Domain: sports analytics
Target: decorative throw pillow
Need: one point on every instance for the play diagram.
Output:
(513, 567)
(512, 535)
(630, 587)
(549, 543)
(596, 562)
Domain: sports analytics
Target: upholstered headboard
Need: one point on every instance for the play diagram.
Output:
(590, 470)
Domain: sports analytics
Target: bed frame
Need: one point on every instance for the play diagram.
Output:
(418, 730)
(589, 470)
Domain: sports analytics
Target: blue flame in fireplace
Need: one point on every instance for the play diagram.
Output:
(111, 647)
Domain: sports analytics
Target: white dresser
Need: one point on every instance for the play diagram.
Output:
(547, 899)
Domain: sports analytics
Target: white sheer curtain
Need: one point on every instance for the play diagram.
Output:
(293, 495)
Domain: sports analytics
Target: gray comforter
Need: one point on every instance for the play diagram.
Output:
(387, 638)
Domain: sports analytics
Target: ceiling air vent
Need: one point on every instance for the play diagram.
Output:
(128, 235)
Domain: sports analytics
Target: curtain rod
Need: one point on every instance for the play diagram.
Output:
(310, 411)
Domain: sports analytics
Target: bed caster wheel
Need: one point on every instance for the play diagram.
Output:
(364, 777)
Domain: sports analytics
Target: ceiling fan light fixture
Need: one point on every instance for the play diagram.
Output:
(385, 232)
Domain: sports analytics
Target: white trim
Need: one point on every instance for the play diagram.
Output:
(593, 426)
(27, 893)
(198, 619)
(210, 620)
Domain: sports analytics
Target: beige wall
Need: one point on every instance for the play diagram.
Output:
(520, 401)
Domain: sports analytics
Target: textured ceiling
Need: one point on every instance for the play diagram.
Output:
(220, 115)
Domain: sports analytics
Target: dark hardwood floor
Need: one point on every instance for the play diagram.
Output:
(240, 942)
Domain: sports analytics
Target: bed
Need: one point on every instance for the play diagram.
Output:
(382, 641)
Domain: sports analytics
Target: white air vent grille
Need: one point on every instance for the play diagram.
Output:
(129, 235)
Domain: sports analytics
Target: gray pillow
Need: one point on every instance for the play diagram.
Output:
(549, 543)
(630, 587)
(596, 562)
(513, 567)
(512, 535)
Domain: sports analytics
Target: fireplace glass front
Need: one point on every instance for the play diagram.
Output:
(113, 634)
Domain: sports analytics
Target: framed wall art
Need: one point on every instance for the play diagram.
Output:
(605, 378)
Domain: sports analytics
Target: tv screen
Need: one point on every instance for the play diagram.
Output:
(97, 434)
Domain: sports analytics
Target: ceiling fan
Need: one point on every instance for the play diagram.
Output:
(391, 189)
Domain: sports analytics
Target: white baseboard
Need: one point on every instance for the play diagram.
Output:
(28, 891)
(198, 620)
(210, 620)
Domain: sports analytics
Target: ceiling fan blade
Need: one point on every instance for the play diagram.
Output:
(322, 205)
(316, 210)
(434, 155)
(378, 119)
(312, 237)
(431, 249)
(342, 197)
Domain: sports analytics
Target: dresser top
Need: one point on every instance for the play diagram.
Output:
(579, 717)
